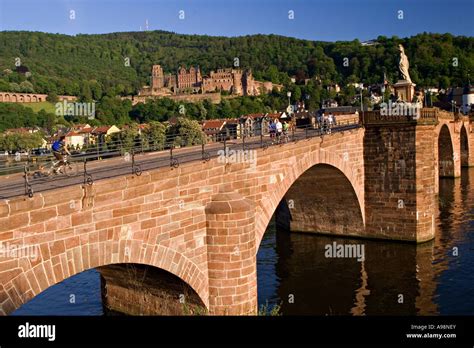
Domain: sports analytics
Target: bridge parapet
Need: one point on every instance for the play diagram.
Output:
(471, 117)
(424, 116)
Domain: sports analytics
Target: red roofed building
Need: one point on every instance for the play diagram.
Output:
(101, 133)
(81, 135)
(21, 130)
(75, 140)
(80, 126)
(214, 129)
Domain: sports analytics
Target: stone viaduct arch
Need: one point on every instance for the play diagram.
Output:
(12, 97)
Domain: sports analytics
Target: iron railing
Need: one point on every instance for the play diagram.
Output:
(144, 153)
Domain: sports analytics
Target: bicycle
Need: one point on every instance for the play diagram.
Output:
(66, 167)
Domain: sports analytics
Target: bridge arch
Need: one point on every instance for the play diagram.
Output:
(331, 207)
(23, 283)
(445, 152)
(332, 162)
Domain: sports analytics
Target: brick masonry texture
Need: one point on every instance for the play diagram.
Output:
(203, 222)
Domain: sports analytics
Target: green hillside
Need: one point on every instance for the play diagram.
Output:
(46, 106)
(95, 65)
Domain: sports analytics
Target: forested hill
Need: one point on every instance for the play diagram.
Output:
(95, 64)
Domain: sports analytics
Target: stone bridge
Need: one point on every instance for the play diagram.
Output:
(200, 225)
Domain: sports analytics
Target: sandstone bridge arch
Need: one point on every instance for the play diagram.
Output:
(454, 146)
(446, 153)
(62, 259)
(331, 207)
(342, 162)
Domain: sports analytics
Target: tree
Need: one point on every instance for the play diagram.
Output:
(113, 110)
(27, 87)
(272, 74)
(52, 97)
(86, 94)
(186, 133)
(48, 120)
(91, 66)
(225, 110)
(21, 141)
(155, 133)
(126, 140)
(96, 90)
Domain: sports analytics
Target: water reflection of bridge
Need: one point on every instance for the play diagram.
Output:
(340, 287)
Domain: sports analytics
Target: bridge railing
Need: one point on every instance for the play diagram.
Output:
(133, 156)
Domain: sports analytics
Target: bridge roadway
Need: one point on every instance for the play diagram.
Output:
(14, 184)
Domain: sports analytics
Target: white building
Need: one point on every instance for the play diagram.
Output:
(356, 85)
(467, 99)
(74, 139)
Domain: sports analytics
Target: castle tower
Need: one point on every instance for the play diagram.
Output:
(182, 78)
(198, 75)
(237, 82)
(157, 78)
(248, 83)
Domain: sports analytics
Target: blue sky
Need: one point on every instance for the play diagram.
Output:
(327, 20)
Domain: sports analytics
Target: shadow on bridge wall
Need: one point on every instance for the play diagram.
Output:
(446, 158)
(321, 200)
(135, 289)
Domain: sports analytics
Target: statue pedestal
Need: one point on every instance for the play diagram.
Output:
(404, 90)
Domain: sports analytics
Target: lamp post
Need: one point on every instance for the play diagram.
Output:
(362, 103)
(361, 100)
(290, 110)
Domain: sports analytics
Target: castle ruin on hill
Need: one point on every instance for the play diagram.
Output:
(232, 81)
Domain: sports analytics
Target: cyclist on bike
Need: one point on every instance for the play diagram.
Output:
(59, 151)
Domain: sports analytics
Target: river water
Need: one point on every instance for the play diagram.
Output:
(434, 278)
